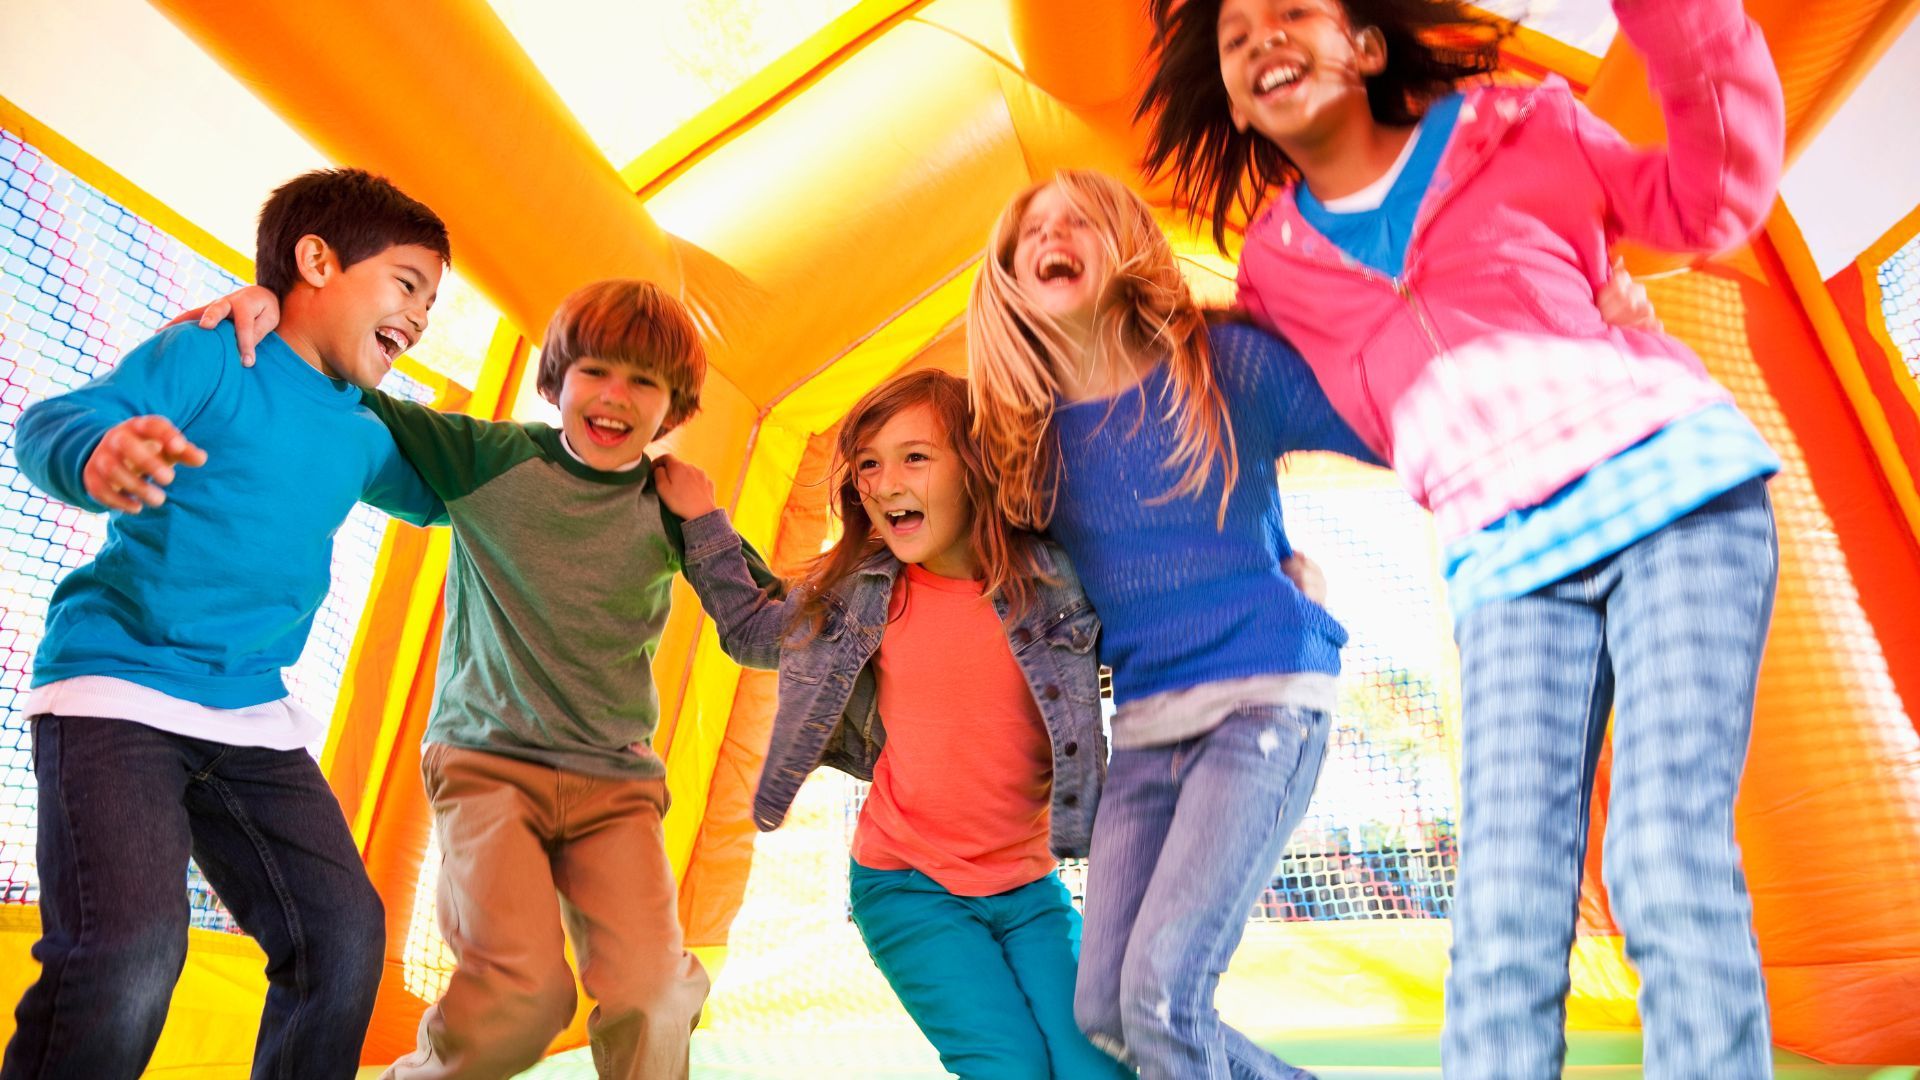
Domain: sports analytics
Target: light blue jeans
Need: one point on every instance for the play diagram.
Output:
(1668, 634)
(1185, 838)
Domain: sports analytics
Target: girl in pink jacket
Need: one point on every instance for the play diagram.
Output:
(1435, 253)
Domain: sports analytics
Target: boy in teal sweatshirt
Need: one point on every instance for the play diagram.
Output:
(161, 727)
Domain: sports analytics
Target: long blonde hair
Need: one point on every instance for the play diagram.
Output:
(1017, 351)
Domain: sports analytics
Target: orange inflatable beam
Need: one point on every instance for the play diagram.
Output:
(1086, 53)
(448, 105)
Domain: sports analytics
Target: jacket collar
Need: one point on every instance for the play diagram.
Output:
(1486, 116)
(881, 563)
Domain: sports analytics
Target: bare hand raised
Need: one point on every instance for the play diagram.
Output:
(682, 488)
(134, 460)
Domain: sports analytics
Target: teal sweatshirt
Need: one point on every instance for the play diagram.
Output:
(208, 596)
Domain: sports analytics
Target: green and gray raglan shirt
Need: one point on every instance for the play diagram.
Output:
(557, 590)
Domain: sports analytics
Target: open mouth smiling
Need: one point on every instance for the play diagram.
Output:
(391, 343)
(904, 521)
(607, 431)
(1057, 266)
(1274, 81)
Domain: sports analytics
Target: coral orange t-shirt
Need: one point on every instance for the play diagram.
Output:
(962, 787)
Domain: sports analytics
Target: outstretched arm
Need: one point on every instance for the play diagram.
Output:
(114, 443)
(1714, 182)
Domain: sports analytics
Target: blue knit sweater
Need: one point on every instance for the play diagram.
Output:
(1183, 603)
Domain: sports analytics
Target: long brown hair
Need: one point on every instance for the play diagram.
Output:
(1009, 557)
(1016, 351)
(1432, 46)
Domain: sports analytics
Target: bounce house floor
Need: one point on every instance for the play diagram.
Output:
(1352, 1055)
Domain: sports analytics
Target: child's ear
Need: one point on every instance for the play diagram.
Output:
(315, 261)
(1370, 49)
(1239, 118)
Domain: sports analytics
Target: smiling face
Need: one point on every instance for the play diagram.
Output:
(913, 486)
(1295, 70)
(360, 319)
(1059, 261)
(610, 410)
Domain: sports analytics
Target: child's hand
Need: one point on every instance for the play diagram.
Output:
(134, 460)
(1624, 303)
(1306, 576)
(255, 311)
(682, 488)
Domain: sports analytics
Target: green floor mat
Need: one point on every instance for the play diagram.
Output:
(1396, 1054)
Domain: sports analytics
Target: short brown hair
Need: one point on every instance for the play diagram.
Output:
(358, 214)
(628, 322)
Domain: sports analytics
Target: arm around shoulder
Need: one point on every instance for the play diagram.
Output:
(455, 454)
(1291, 403)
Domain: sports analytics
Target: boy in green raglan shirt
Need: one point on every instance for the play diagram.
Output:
(547, 797)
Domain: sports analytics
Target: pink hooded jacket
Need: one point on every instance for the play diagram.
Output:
(1484, 373)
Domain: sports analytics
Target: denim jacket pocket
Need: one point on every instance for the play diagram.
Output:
(1076, 633)
(1071, 643)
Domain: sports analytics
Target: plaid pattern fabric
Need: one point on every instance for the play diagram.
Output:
(1625, 498)
(1666, 635)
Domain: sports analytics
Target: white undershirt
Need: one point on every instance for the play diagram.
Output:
(628, 467)
(276, 725)
(1373, 195)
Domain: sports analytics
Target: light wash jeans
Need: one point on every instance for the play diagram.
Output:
(1185, 838)
(1668, 634)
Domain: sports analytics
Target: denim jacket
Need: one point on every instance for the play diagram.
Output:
(828, 712)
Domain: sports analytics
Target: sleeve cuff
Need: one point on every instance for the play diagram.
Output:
(708, 535)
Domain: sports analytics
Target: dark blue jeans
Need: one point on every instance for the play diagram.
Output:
(1667, 634)
(122, 806)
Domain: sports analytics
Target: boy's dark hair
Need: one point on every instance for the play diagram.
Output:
(358, 214)
(1431, 46)
(629, 322)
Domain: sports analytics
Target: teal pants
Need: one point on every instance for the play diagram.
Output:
(989, 979)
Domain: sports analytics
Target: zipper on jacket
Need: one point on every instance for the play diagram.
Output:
(1405, 292)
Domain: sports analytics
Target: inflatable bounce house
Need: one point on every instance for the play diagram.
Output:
(816, 178)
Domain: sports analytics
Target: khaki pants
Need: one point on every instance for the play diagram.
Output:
(527, 849)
